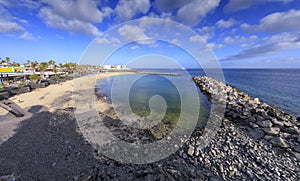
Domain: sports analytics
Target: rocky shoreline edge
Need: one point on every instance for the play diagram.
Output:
(256, 140)
(240, 150)
(260, 120)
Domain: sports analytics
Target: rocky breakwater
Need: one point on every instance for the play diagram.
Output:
(256, 140)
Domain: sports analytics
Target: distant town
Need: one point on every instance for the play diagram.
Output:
(34, 70)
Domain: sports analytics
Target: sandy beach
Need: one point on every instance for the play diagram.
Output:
(51, 98)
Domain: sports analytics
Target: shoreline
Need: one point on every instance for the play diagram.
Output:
(47, 141)
(51, 98)
(260, 120)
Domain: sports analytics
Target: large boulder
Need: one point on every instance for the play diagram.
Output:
(19, 90)
(272, 131)
(279, 142)
(52, 81)
(4, 95)
(37, 85)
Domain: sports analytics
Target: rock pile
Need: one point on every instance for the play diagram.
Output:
(262, 121)
(256, 141)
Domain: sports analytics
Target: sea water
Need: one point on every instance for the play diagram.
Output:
(276, 87)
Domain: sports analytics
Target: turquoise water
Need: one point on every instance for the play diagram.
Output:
(173, 89)
(277, 87)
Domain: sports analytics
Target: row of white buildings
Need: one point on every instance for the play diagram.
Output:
(114, 67)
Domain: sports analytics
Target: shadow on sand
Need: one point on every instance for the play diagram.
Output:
(46, 146)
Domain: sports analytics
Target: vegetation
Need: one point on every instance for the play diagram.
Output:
(42, 67)
(34, 77)
(22, 84)
(15, 64)
(7, 59)
(57, 70)
(34, 65)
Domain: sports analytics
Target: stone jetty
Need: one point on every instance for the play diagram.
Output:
(255, 141)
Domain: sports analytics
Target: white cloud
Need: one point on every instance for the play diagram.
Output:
(175, 42)
(193, 12)
(134, 47)
(7, 23)
(197, 38)
(127, 9)
(32, 4)
(74, 25)
(9, 27)
(233, 30)
(135, 33)
(240, 40)
(270, 45)
(81, 10)
(206, 32)
(106, 40)
(115, 41)
(225, 24)
(4, 2)
(74, 16)
(229, 40)
(245, 26)
(214, 45)
(60, 37)
(28, 36)
(236, 5)
(277, 22)
(23, 21)
(102, 41)
(205, 29)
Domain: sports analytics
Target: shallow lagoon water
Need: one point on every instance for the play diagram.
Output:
(166, 87)
(277, 87)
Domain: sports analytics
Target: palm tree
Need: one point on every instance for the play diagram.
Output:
(51, 63)
(52, 66)
(70, 67)
(61, 67)
(34, 66)
(2, 61)
(28, 63)
(55, 70)
(42, 67)
(15, 64)
(7, 59)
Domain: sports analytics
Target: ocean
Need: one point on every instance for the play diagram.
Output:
(276, 87)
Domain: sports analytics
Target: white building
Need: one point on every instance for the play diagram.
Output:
(106, 66)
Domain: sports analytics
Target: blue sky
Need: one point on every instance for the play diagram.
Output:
(240, 33)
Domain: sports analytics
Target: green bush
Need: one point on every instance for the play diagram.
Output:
(22, 85)
(60, 76)
(34, 77)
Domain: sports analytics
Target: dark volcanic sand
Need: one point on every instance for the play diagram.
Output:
(48, 146)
